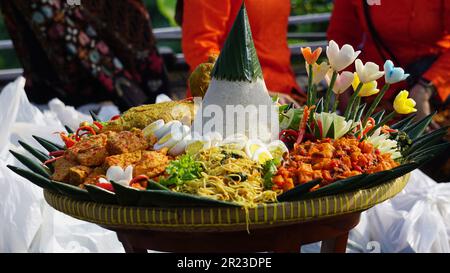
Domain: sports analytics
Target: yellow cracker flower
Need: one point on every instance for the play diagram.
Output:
(368, 89)
(403, 104)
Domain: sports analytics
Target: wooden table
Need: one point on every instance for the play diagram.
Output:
(333, 232)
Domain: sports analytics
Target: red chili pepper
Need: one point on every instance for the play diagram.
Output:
(302, 127)
(56, 153)
(84, 128)
(370, 124)
(105, 186)
(356, 167)
(139, 179)
(98, 124)
(319, 124)
(51, 160)
(115, 117)
(67, 140)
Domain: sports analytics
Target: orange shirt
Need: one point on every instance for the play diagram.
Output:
(411, 29)
(206, 24)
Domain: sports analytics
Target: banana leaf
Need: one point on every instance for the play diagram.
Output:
(68, 129)
(337, 187)
(379, 178)
(94, 116)
(429, 152)
(295, 193)
(415, 130)
(152, 185)
(72, 191)
(31, 164)
(378, 117)
(41, 156)
(101, 195)
(176, 199)
(126, 196)
(48, 145)
(404, 123)
(425, 141)
(34, 178)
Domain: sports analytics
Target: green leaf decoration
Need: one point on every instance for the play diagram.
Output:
(319, 106)
(101, 195)
(72, 191)
(34, 178)
(378, 117)
(41, 156)
(238, 60)
(360, 111)
(68, 130)
(297, 192)
(177, 199)
(94, 116)
(416, 130)
(330, 132)
(31, 164)
(48, 145)
(167, 9)
(402, 124)
(317, 130)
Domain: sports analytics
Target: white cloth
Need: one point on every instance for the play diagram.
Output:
(416, 220)
(28, 223)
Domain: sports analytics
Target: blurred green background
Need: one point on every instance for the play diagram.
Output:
(162, 13)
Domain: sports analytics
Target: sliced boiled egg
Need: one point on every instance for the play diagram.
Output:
(235, 142)
(167, 128)
(180, 147)
(153, 127)
(252, 146)
(168, 141)
(197, 144)
(262, 155)
(277, 148)
(216, 138)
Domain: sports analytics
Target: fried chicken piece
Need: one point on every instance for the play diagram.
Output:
(126, 142)
(78, 174)
(152, 164)
(89, 151)
(62, 169)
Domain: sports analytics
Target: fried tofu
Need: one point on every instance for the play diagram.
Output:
(152, 164)
(94, 176)
(78, 174)
(122, 160)
(126, 142)
(90, 151)
(148, 163)
(62, 169)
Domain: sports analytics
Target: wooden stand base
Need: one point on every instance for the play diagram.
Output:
(333, 232)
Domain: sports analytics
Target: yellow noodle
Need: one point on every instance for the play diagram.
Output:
(216, 182)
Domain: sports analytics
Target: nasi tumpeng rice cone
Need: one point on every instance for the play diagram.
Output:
(237, 90)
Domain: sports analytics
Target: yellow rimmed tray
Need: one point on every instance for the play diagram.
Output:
(201, 219)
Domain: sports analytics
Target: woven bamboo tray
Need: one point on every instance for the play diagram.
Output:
(224, 219)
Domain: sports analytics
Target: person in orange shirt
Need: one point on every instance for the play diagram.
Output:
(414, 34)
(206, 23)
